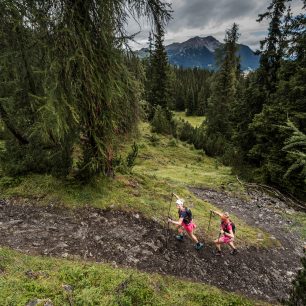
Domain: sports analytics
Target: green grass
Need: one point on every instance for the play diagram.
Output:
(298, 222)
(25, 278)
(195, 121)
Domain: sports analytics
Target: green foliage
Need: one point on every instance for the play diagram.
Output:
(191, 90)
(224, 94)
(67, 81)
(130, 159)
(184, 131)
(158, 76)
(8, 182)
(269, 97)
(125, 166)
(162, 121)
(298, 292)
(295, 146)
(273, 45)
(18, 160)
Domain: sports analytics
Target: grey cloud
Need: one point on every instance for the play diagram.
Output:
(212, 17)
(198, 13)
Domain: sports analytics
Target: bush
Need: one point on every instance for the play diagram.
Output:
(215, 145)
(298, 292)
(162, 121)
(125, 165)
(154, 139)
(184, 131)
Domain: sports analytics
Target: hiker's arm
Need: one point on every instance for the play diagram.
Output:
(217, 213)
(179, 222)
(230, 234)
(176, 195)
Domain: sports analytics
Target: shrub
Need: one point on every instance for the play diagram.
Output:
(298, 292)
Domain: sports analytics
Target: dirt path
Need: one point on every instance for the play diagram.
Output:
(131, 240)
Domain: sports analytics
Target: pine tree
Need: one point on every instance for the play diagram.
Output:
(78, 91)
(272, 48)
(223, 92)
(159, 93)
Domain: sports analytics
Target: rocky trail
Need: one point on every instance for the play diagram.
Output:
(128, 239)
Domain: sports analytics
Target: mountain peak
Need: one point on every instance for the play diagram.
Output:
(197, 42)
(200, 52)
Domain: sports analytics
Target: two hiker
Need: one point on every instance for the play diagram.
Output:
(185, 222)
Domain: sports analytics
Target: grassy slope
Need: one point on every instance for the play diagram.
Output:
(24, 278)
(163, 166)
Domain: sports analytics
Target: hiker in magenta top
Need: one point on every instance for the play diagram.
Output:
(226, 235)
(185, 222)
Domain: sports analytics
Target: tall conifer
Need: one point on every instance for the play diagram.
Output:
(75, 88)
(223, 92)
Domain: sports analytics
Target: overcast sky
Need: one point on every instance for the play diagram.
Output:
(212, 17)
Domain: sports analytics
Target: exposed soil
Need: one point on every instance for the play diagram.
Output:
(128, 239)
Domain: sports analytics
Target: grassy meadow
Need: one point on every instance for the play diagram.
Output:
(195, 121)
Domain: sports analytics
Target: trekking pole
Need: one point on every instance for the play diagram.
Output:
(209, 222)
(168, 227)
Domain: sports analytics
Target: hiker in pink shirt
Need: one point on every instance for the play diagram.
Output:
(226, 236)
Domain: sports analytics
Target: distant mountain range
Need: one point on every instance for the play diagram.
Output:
(200, 52)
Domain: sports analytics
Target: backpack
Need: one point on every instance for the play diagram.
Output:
(189, 215)
(233, 227)
(188, 218)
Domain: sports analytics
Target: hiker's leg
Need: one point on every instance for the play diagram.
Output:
(218, 244)
(231, 244)
(179, 229)
(193, 237)
(180, 235)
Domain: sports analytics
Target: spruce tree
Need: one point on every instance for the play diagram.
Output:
(159, 93)
(272, 47)
(73, 89)
(223, 93)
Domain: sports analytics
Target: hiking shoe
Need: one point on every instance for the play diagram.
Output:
(199, 246)
(234, 252)
(218, 253)
(179, 237)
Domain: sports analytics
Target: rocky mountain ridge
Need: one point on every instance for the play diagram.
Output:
(201, 52)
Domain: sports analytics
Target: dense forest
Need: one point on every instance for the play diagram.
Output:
(254, 122)
(71, 91)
